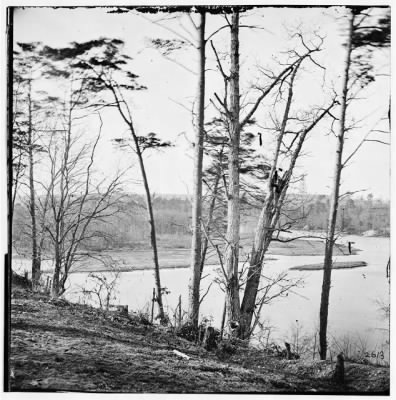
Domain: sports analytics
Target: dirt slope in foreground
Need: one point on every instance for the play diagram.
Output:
(58, 346)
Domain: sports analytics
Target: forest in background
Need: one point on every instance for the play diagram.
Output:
(130, 230)
(248, 138)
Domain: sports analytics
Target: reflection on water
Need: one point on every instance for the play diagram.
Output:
(354, 296)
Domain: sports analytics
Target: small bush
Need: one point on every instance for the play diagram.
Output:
(187, 331)
(21, 281)
(141, 317)
(226, 349)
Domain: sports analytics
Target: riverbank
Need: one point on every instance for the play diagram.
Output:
(336, 265)
(61, 346)
(137, 260)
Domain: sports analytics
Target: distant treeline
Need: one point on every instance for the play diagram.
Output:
(356, 215)
(173, 220)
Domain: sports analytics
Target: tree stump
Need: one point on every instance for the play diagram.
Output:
(288, 351)
(339, 373)
(199, 334)
(209, 340)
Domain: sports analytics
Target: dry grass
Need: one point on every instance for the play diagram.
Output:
(56, 345)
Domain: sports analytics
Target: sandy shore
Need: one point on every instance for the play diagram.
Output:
(336, 265)
(126, 260)
(138, 260)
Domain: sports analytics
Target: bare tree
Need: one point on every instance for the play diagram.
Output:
(288, 144)
(356, 75)
(75, 200)
(167, 47)
(233, 214)
(139, 146)
(19, 140)
(267, 226)
(253, 170)
(196, 245)
(106, 72)
(63, 202)
(28, 110)
(101, 286)
(324, 301)
(271, 289)
(32, 201)
(199, 245)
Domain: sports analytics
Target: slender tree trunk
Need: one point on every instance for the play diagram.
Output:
(15, 182)
(55, 280)
(36, 262)
(153, 237)
(149, 205)
(58, 209)
(233, 215)
(196, 245)
(212, 206)
(328, 259)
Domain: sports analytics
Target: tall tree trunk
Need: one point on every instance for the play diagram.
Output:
(262, 239)
(233, 214)
(58, 210)
(153, 237)
(328, 259)
(269, 218)
(264, 229)
(149, 205)
(36, 262)
(196, 245)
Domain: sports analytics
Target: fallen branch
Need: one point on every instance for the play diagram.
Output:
(180, 354)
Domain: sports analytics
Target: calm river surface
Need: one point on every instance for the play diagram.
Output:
(354, 295)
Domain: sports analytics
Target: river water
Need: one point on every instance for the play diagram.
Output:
(354, 312)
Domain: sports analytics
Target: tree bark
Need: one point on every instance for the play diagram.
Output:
(209, 340)
(269, 218)
(58, 280)
(264, 230)
(328, 259)
(196, 245)
(153, 237)
(36, 261)
(339, 372)
(209, 221)
(55, 280)
(261, 242)
(233, 215)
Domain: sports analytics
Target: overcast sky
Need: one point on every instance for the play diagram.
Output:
(163, 108)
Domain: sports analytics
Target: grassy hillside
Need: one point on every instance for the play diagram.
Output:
(59, 346)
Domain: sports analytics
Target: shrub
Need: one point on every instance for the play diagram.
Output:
(187, 331)
(226, 348)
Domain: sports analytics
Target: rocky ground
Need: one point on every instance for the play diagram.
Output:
(59, 346)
